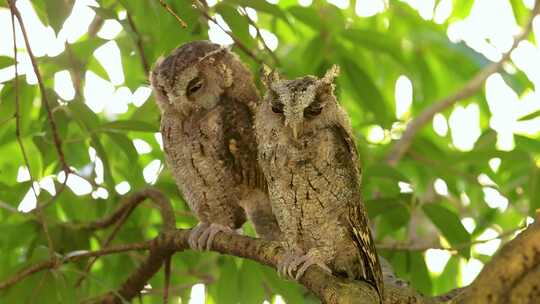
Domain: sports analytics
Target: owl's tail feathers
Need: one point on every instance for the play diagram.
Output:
(259, 212)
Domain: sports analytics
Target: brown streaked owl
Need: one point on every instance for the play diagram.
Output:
(207, 99)
(309, 158)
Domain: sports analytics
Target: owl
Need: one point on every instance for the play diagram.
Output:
(309, 158)
(207, 99)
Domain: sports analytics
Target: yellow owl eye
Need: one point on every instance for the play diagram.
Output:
(193, 86)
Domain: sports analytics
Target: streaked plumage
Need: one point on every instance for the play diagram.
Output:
(206, 97)
(308, 156)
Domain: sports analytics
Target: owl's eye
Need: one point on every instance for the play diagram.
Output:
(277, 108)
(193, 86)
(312, 111)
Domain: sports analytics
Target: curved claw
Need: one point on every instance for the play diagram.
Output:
(283, 265)
(288, 267)
(203, 235)
(195, 235)
(310, 261)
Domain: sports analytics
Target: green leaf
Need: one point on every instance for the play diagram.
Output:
(6, 61)
(239, 24)
(449, 224)
(393, 213)
(88, 120)
(125, 144)
(419, 273)
(41, 11)
(251, 282)
(100, 151)
(98, 69)
(378, 42)
(262, 6)
(227, 287)
(532, 115)
(462, 8)
(366, 91)
(129, 125)
(448, 279)
(306, 15)
(57, 12)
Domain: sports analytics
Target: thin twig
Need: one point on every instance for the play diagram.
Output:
(71, 257)
(119, 217)
(139, 44)
(260, 38)
(455, 248)
(469, 89)
(105, 244)
(54, 129)
(237, 41)
(41, 219)
(171, 11)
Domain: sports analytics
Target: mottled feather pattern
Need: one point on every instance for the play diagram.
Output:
(207, 98)
(309, 158)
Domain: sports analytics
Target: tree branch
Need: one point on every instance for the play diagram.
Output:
(513, 275)
(237, 41)
(171, 11)
(455, 248)
(45, 100)
(328, 288)
(469, 89)
(139, 44)
(38, 208)
(120, 216)
(71, 257)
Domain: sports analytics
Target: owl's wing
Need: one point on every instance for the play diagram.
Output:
(358, 222)
(241, 144)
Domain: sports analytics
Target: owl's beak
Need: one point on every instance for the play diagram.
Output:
(296, 129)
(295, 125)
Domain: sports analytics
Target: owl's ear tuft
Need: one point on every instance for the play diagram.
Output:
(268, 76)
(331, 74)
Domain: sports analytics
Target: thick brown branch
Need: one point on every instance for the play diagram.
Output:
(328, 288)
(513, 275)
(469, 89)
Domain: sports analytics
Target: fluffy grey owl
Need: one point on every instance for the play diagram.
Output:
(207, 97)
(309, 158)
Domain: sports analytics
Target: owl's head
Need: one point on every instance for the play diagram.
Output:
(305, 102)
(192, 78)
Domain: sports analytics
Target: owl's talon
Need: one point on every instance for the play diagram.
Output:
(305, 266)
(291, 263)
(213, 230)
(196, 234)
(284, 265)
(202, 236)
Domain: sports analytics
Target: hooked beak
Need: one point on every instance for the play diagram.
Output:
(296, 128)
